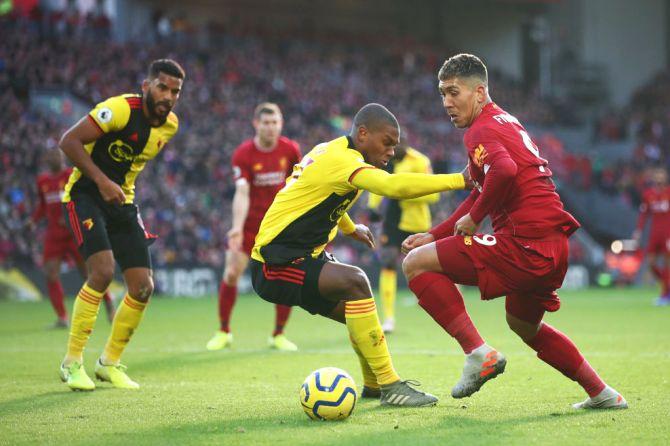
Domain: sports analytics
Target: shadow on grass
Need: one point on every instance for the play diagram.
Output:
(46, 400)
(387, 426)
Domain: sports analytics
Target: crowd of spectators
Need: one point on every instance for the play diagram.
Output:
(185, 194)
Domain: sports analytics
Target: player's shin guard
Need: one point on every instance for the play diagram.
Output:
(127, 319)
(369, 377)
(227, 298)
(388, 283)
(441, 299)
(84, 314)
(557, 350)
(56, 296)
(366, 332)
(282, 312)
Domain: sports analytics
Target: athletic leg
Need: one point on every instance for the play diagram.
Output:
(107, 297)
(349, 284)
(55, 288)
(433, 280)
(524, 317)
(388, 284)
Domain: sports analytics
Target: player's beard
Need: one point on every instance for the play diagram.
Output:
(151, 107)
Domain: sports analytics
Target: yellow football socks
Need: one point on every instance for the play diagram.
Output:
(369, 377)
(127, 318)
(84, 314)
(366, 333)
(388, 284)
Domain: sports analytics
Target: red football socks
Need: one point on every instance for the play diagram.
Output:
(56, 296)
(281, 316)
(441, 299)
(227, 298)
(662, 276)
(557, 350)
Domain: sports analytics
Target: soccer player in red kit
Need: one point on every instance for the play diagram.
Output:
(260, 166)
(59, 243)
(656, 203)
(525, 259)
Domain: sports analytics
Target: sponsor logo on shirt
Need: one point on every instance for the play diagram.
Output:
(121, 152)
(269, 178)
(340, 210)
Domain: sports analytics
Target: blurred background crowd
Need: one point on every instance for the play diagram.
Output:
(185, 194)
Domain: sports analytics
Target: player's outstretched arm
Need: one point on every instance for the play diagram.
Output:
(72, 144)
(405, 185)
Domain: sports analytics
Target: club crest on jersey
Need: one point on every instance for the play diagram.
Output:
(282, 163)
(121, 152)
(467, 240)
(88, 223)
(257, 167)
(480, 155)
(340, 210)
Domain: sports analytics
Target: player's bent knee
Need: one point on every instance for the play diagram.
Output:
(100, 277)
(231, 276)
(359, 285)
(411, 265)
(525, 330)
(142, 290)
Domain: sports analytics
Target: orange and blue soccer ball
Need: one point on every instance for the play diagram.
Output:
(328, 393)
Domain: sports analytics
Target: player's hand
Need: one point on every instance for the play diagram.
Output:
(469, 183)
(235, 239)
(416, 240)
(465, 225)
(363, 235)
(111, 192)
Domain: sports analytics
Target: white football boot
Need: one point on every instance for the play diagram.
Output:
(483, 364)
(607, 399)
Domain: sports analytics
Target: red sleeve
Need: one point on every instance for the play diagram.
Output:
(499, 177)
(241, 165)
(40, 210)
(446, 228)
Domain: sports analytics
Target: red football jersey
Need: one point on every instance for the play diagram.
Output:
(530, 207)
(655, 202)
(50, 191)
(266, 174)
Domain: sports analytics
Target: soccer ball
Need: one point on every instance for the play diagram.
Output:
(328, 394)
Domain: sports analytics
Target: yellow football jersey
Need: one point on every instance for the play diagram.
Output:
(304, 215)
(127, 143)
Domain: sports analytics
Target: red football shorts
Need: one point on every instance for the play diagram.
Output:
(659, 242)
(60, 246)
(502, 265)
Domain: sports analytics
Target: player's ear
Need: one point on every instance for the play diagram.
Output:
(481, 93)
(362, 133)
(145, 85)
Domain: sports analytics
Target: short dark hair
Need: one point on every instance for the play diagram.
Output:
(167, 66)
(269, 108)
(463, 65)
(372, 116)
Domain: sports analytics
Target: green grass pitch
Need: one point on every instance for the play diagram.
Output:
(249, 395)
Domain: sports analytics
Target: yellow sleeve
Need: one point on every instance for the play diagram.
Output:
(401, 186)
(111, 115)
(346, 224)
(342, 167)
(423, 165)
(374, 201)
